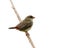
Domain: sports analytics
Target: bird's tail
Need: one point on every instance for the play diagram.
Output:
(12, 27)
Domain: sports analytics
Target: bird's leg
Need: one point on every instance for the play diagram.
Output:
(27, 34)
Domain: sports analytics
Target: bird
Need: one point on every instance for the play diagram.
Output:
(25, 25)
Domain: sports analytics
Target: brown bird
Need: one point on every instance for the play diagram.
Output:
(25, 25)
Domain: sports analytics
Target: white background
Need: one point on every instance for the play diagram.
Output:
(45, 32)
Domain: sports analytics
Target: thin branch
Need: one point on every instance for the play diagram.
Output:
(15, 11)
(27, 34)
(29, 38)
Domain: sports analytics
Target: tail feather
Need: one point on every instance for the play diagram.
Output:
(12, 28)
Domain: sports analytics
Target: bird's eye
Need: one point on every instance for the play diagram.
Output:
(31, 16)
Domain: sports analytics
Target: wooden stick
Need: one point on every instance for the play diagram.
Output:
(15, 11)
(27, 34)
(29, 38)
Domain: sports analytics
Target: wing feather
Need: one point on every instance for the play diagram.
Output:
(24, 25)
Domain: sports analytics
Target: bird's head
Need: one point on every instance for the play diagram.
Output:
(29, 17)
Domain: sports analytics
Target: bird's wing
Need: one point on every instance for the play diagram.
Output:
(24, 25)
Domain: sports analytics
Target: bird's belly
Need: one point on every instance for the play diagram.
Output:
(26, 29)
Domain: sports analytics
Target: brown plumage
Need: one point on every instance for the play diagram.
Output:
(25, 25)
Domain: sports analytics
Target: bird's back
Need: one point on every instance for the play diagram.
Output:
(25, 25)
